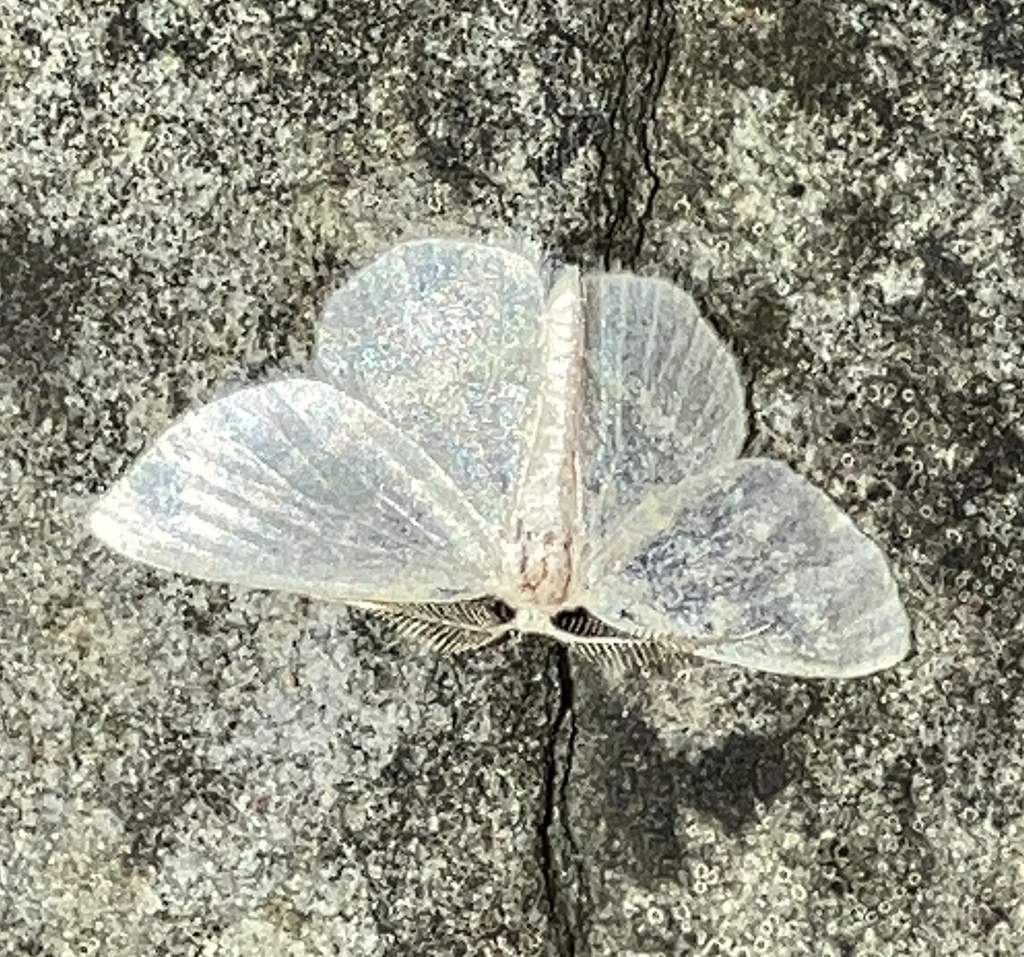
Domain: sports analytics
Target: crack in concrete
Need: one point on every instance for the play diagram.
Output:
(627, 178)
(561, 865)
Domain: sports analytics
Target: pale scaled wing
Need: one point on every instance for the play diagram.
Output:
(442, 338)
(663, 396)
(293, 485)
(754, 566)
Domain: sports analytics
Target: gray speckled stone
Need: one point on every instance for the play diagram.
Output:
(186, 769)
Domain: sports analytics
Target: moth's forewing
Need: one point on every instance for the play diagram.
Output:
(296, 486)
(765, 566)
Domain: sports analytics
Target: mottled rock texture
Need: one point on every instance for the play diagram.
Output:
(187, 770)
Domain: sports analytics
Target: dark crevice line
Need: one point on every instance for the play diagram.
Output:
(627, 177)
(561, 864)
(655, 88)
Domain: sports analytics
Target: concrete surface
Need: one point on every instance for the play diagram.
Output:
(186, 769)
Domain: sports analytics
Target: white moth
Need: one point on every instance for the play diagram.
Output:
(489, 445)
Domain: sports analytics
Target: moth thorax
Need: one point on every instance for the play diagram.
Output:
(545, 569)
